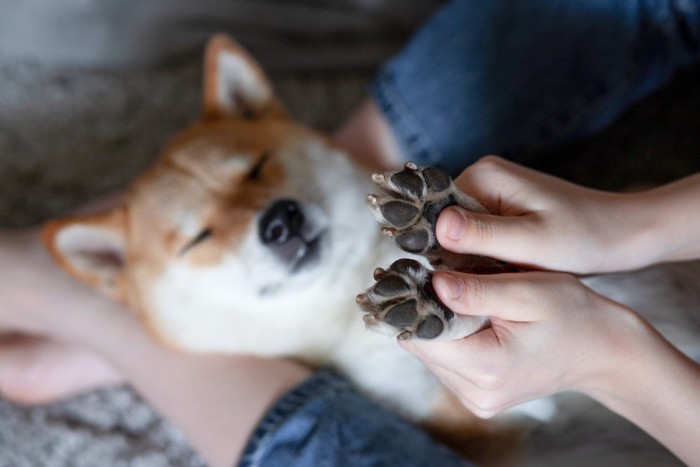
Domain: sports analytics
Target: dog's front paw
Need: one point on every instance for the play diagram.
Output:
(404, 304)
(411, 201)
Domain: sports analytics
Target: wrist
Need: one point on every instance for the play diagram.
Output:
(635, 360)
(621, 362)
(665, 222)
(632, 232)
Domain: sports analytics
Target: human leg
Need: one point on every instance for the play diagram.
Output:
(324, 421)
(501, 77)
(216, 400)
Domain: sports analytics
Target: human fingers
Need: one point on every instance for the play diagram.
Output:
(514, 239)
(516, 198)
(484, 399)
(514, 297)
(537, 220)
(506, 188)
(476, 355)
(482, 390)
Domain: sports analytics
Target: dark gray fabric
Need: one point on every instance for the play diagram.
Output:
(295, 34)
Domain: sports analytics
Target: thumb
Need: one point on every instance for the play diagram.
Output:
(516, 297)
(466, 232)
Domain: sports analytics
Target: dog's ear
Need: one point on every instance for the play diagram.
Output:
(234, 84)
(91, 248)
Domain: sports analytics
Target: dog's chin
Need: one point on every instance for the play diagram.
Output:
(306, 258)
(299, 254)
(308, 255)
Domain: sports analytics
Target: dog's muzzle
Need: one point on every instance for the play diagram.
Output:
(286, 231)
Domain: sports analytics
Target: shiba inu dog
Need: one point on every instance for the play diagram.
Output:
(251, 235)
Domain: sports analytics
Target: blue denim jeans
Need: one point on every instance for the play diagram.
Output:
(484, 76)
(325, 422)
(500, 76)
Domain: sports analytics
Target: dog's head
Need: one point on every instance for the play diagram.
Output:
(246, 216)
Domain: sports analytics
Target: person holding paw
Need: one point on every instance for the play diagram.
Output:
(477, 78)
(550, 333)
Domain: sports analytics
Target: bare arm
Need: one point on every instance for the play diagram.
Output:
(662, 396)
(673, 214)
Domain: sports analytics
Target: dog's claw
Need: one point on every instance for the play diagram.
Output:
(369, 318)
(410, 202)
(378, 178)
(402, 300)
(379, 273)
(405, 335)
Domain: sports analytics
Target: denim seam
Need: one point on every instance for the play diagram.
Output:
(415, 142)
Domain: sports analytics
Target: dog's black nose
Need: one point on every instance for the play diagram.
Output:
(281, 221)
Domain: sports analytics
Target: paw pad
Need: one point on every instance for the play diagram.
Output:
(403, 303)
(411, 201)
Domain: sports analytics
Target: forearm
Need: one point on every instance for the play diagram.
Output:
(656, 226)
(658, 389)
(674, 209)
(216, 400)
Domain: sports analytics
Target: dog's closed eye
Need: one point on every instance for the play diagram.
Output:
(201, 236)
(257, 169)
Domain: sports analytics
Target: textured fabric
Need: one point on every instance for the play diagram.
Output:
(325, 422)
(292, 34)
(499, 77)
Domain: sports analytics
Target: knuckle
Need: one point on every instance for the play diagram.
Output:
(477, 406)
(486, 403)
(489, 380)
(490, 162)
(484, 167)
(486, 414)
(573, 287)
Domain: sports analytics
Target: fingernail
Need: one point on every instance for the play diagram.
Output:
(450, 284)
(452, 224)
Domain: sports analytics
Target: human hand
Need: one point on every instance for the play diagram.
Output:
(549, 333)
(544, 222)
